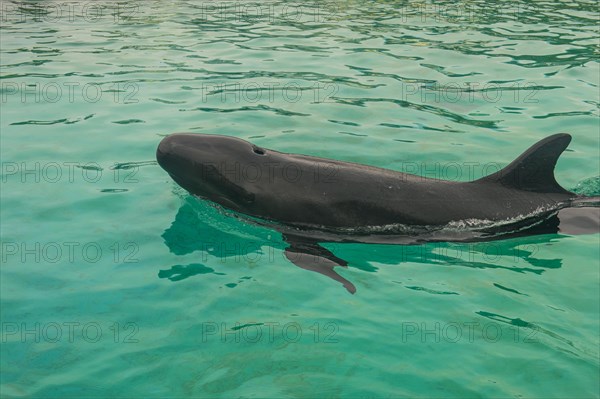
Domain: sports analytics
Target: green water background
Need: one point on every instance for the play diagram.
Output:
(162, 295)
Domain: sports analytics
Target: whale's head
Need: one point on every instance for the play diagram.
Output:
(221, 169)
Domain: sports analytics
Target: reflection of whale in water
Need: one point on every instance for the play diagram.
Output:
(207, 231)
(365, 204)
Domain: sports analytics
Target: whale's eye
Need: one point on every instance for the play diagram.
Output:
(258, 150)
(249, 198)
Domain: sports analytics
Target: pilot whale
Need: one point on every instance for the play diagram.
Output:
(312, 200)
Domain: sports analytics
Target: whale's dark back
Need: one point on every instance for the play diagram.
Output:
(310, 191)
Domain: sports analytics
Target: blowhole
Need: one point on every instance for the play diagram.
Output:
(258, 150)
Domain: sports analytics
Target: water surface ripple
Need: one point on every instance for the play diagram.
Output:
(115, 283)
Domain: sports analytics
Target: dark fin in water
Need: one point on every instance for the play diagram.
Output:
(534, 169)
(309, 255)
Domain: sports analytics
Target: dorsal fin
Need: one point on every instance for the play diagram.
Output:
(534, 169)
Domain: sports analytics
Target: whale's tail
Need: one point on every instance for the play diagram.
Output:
(534, 169)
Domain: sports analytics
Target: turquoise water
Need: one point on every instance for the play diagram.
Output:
(115, 283)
